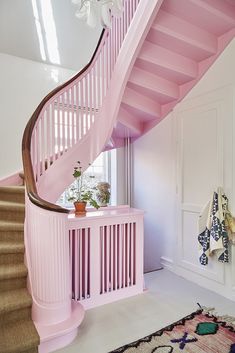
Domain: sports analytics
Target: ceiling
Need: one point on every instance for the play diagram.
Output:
(46, 31)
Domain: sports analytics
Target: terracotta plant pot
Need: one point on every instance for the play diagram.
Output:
(80, 208)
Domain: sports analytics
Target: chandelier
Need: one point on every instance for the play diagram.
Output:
(98, 11)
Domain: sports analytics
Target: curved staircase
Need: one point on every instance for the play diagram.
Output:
(184, 39)
(142, 67)
(17, 331)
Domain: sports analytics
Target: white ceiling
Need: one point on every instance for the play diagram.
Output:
(65, 40)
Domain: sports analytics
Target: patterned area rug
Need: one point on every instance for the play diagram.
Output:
(197, 333)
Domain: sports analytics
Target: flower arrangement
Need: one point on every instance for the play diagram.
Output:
(103, 194)
(79, 192)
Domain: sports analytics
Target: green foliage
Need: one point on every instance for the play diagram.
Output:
(77, 173)
(79, 193)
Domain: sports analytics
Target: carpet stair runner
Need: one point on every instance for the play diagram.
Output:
(17, 331)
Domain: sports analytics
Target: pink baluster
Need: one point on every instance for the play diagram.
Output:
(48, 124)
(66, 121)
(82, 108)
(78, 90)
(63, 125)
(85, 104)
(92, 95)
(90, 99)
(72, 117)
(109, 55)
(80, 264)
(43, 138)
(38, 150)
(67, 102)
(33, 153)
(52, 122)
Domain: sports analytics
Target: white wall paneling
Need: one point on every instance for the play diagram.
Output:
(204, 162)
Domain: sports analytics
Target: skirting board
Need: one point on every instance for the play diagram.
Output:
(216, 287)
(11, 180)
(167, 263)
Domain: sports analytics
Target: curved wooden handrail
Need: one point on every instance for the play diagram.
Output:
(72, 113)
(26, 142)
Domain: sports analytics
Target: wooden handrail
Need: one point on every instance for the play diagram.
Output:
(55, 128)
(26, 142)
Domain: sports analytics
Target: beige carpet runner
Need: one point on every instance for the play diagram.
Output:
(17, 331)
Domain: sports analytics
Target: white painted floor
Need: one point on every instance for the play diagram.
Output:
(168, 299)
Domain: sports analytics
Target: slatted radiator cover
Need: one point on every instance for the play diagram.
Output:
(106, 256)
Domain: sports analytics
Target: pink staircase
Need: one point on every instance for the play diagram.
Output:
(142, 67)
(184, 39)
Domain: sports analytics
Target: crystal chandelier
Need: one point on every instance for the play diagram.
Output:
(98, 11)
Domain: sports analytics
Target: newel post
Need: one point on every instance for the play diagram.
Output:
(47, 256)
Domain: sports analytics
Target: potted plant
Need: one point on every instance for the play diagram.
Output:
(80, 195)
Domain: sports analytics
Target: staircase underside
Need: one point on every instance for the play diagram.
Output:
(184, 40)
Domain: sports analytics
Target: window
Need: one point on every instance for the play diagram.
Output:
(104, 169)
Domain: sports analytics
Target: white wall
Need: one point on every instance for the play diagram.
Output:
(176, 169)
(23, 84)
(154, 190)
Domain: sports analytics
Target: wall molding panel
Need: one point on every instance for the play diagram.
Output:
(204, 139)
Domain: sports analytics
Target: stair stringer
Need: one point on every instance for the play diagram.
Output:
(51, 185)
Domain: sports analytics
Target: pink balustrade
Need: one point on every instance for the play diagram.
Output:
(67, 117)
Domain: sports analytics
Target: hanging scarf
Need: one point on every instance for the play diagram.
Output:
(213, 234)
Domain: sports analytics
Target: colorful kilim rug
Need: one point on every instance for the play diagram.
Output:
(196, 333)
